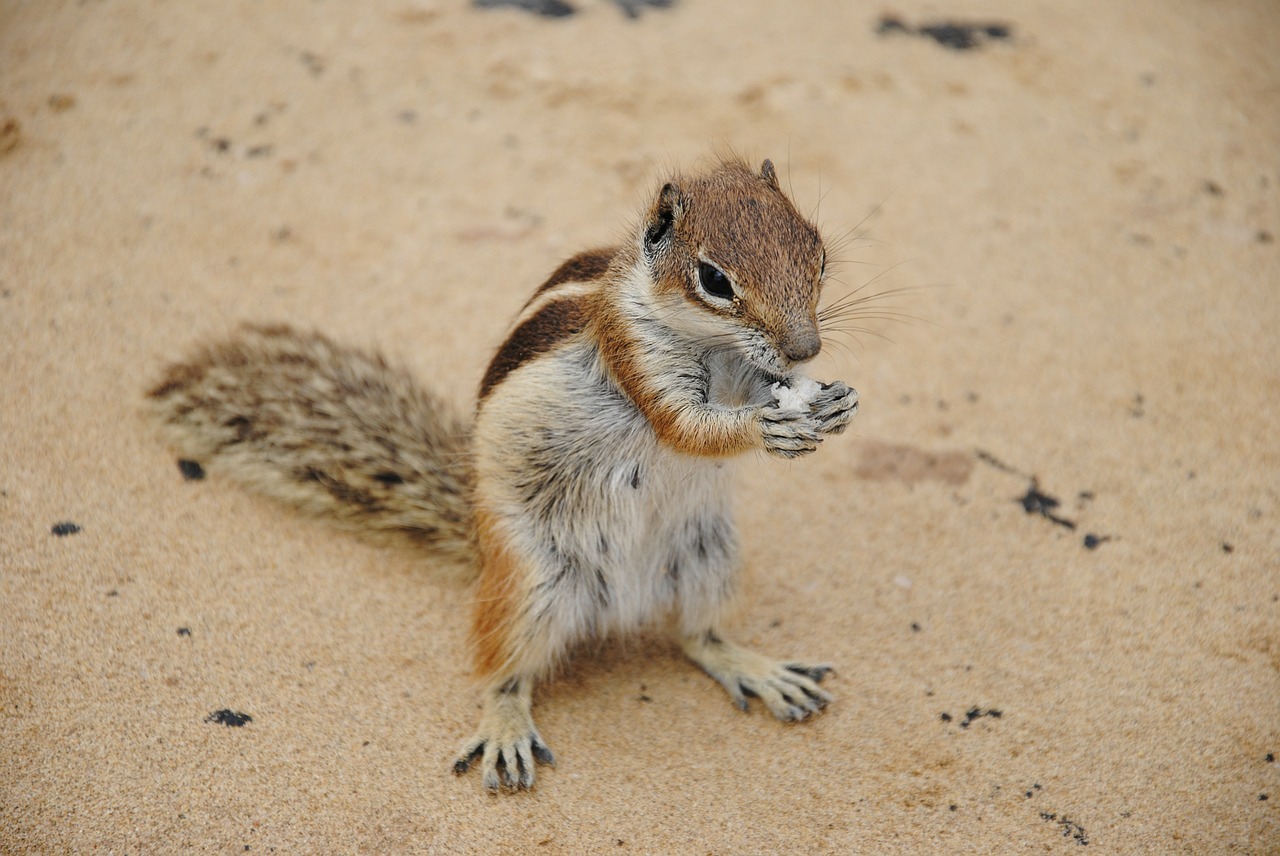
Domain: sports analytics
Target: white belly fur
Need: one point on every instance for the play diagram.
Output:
(615, 529)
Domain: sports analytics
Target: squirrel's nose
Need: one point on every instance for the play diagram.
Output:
(801, 345)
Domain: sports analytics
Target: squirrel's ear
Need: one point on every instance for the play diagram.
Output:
(666, 210)
(768, 174)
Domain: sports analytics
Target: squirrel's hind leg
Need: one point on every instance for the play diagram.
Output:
(707, 557)
(517, 636)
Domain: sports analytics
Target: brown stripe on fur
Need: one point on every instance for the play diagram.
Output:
(555, 322)
(495, 605)
(620, 351)
(618, 348)
(583, 267)
(703, 441)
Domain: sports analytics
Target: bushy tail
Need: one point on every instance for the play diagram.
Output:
(333, 431)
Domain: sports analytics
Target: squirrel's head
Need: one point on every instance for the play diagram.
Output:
(730, 244)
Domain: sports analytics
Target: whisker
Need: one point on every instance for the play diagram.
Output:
(843, 347)
(860, 305)
(855, 298)
(839, 263)
(852, 233)
(894, 317)
(851, 331)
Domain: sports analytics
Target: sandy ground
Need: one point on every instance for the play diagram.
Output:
(1086, 214)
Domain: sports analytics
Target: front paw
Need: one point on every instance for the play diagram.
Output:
(833, 407)
(788, 433)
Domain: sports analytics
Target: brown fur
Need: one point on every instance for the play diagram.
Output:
(496, 606)
(552, 324)
(753, 232)
(583, 267)
(618, 349)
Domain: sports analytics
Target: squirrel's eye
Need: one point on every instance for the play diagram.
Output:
(714, 281)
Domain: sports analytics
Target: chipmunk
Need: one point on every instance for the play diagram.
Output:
(592, 488)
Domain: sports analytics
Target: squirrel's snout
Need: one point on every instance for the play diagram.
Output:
(801, 345)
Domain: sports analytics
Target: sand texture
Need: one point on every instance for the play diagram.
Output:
(1045, 559)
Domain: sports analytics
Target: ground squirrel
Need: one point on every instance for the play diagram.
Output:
(592, 488)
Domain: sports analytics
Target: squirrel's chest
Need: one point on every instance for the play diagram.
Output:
(604, 517)
(560, 444)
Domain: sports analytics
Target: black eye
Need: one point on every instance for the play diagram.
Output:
(714, 282)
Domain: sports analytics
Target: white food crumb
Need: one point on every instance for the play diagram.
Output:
(795, 394)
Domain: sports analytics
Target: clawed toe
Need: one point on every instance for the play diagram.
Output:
(463, 763)
(511, 770)
(542, 754)
(813, 673)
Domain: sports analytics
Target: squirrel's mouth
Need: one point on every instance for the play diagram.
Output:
(762, 356)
